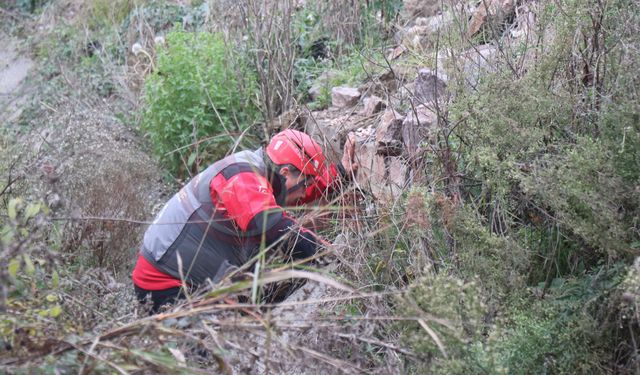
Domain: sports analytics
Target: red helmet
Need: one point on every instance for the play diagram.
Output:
(298, 149)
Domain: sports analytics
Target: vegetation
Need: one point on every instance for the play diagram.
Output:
(514, 250)
(197, 101)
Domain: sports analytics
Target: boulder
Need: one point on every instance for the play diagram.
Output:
(413, 36)
(343, 97)
(422, 33)
(523, 39)
(476, 62)
(383, 176)
(382, 85)
(418, 127)
(372, 105)
(326, 130)
(412, 9)
(290, 119)
(430, 86)
(396, 52)
(397, 177)
(389, 134)
(372, 171)
(494, 11)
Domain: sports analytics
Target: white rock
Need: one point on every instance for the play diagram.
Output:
(343, 97)
(372, 105)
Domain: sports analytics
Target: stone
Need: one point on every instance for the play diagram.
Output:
(430, 86)
(412, 9)
(383, 176)
(396, 52)
(524, 41)
(476, 62)
(414, 35)
(422, 32)
(371, 171)
(371, 166)
(397, 177)
(326, 132)
(389, 134)
(343, 97)
(54, 202)
(290, 119)
(373, 105)
(495, 11)
(418, 127)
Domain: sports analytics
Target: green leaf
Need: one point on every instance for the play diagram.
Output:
(29, 268)
(7, 235)
(55, 311)
(51, 297)
(55, 279)
(11, 209)
(14, 267)
(192, 159)
(32, 210)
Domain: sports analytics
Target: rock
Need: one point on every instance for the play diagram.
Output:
(476, 62)
(523, 39)
(54, 202)
(413, 36)
(422, 21)
(418, 127)
(372, 105)
(389, 134)
(397, 177)
(383, 176)
(329, 128)
(323, 82)
(430, 86)
(323, 131)
(343, 97)
(412, 9)
(495, 11)
(396, 52)
(382, 85)
(422, 32)
(293, 118)
(371, 172)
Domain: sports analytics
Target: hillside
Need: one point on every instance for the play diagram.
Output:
(493, 225)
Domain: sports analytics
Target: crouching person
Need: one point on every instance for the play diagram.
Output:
(218, 221)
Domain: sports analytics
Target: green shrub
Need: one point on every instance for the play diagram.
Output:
(498, 261)
(29, 301)
(581, 187)
(197, 100)
(451, 317)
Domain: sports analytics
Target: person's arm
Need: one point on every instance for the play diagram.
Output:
(249, 201)
(335, 176)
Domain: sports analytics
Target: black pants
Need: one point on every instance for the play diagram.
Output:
(159, 298)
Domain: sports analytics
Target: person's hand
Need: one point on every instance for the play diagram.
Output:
(349, 162)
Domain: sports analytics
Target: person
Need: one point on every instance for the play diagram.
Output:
(223, 216)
